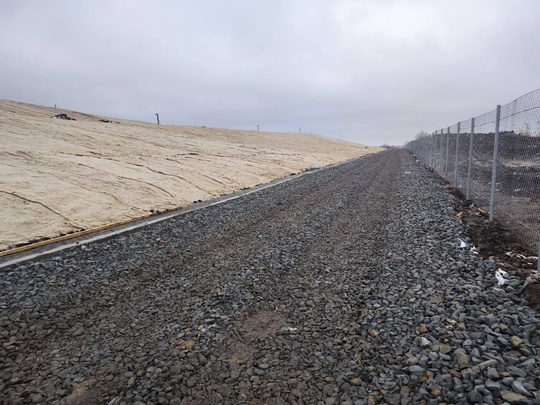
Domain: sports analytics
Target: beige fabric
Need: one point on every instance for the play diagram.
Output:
(58, 176)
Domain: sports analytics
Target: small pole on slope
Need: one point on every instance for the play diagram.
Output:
(457, 155)
(494, 168)
(257, 127)
(299, 130)
(157, 117)
(469, 168)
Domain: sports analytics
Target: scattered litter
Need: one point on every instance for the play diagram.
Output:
(462, 244)
(501, 276)
(63, 117)
(407, 172)
(290, 329)
(520, 256)
(504, 273)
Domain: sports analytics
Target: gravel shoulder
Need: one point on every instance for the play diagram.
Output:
(344, 286)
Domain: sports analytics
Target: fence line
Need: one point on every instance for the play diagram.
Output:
(494, 159)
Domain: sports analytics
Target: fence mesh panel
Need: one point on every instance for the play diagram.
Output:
(518, 184)
(482, 158)
(463, 154)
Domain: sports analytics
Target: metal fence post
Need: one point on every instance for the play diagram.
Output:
(494, 169)
(432, 157)
(471, 142)
(441, 160)
(435, 153)
(457, 155)
(441, 171)
(538, 259)
(447, 153)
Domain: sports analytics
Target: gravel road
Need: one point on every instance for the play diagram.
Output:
(344, 286)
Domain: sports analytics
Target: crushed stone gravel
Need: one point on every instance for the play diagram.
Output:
(344, 286)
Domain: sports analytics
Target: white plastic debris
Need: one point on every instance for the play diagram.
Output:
(462, 244)
(519, 256)
(504, 273)
(501, 276)
(289, 329)
(474, 250)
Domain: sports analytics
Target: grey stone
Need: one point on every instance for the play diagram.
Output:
(487, 363)
(507, 381)
(489, 320)
(517, 386)
(475, 396)
(517, 371)
(492, 385)
(512, 397)
(416, 370)
(423, 342)
(492, 373)
(462, 360)
(502, 341)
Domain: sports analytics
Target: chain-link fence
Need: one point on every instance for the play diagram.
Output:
(494, 159)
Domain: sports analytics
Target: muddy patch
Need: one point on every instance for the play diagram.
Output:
(248, 329)
(261, 324)
(84, 394)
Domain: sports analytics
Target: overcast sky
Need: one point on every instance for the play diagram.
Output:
(369, 71)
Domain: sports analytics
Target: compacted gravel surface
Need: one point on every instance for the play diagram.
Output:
(344, 286)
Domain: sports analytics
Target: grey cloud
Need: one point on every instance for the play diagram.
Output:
(372, 71)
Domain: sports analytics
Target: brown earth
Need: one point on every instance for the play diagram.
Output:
(494, 239)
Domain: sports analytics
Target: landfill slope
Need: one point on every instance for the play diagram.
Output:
(60, 176)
